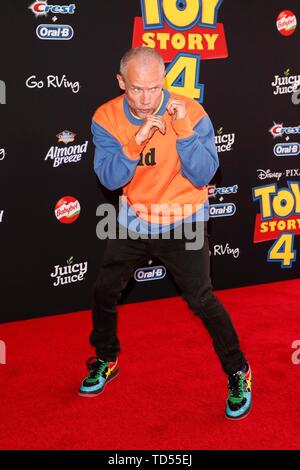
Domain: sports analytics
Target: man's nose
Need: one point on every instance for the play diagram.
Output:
(146, 99)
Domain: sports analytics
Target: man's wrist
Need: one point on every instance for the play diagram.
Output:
(183, 126)
(133, 150)
(140, 140)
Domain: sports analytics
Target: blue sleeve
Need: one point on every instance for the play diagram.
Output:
(198, 154)
(113, 168)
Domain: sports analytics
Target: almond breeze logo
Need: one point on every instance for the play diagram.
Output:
(68, 153)
(63, 32)
(153, 273)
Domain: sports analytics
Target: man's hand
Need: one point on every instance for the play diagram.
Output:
(151, 124)
(176, 109)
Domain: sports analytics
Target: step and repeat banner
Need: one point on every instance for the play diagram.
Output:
(239, 59)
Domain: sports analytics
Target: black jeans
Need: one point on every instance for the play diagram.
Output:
(191, 272)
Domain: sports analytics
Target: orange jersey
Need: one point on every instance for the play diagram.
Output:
(164, 181)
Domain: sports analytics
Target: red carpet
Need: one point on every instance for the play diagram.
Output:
(171, 391)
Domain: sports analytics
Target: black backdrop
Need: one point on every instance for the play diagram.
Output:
(238, 97)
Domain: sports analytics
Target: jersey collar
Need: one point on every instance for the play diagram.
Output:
(138, 121)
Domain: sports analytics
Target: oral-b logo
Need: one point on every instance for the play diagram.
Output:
(150, 274)
(55, 32)
(222, 210)
(287, 150)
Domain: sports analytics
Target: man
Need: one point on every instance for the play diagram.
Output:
(177, 137)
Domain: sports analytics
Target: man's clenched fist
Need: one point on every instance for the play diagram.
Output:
(151, 124)
(176, 108)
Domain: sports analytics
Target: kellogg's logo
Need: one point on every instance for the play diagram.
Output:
(67, 210)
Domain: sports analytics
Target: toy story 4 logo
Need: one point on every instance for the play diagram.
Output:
(279, 220)
(184, 32)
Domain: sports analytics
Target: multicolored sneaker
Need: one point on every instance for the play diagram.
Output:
(101, 372)
(239, 394)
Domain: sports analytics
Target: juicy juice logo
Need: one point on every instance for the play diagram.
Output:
(69, 273)
(279, 220)
(182, 31)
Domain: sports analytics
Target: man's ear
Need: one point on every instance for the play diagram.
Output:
(121, 81)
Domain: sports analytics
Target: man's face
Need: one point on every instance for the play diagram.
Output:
(143, 85)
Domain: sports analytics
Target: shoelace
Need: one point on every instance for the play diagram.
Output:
(95, 366)
(236, 386)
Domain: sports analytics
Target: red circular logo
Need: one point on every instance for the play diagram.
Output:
(286, 22)
(67, 210)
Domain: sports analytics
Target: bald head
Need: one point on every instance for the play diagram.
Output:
(142, 75)
(144, 57)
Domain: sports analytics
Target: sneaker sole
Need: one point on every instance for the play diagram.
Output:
(231, 418)
(95, 394)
